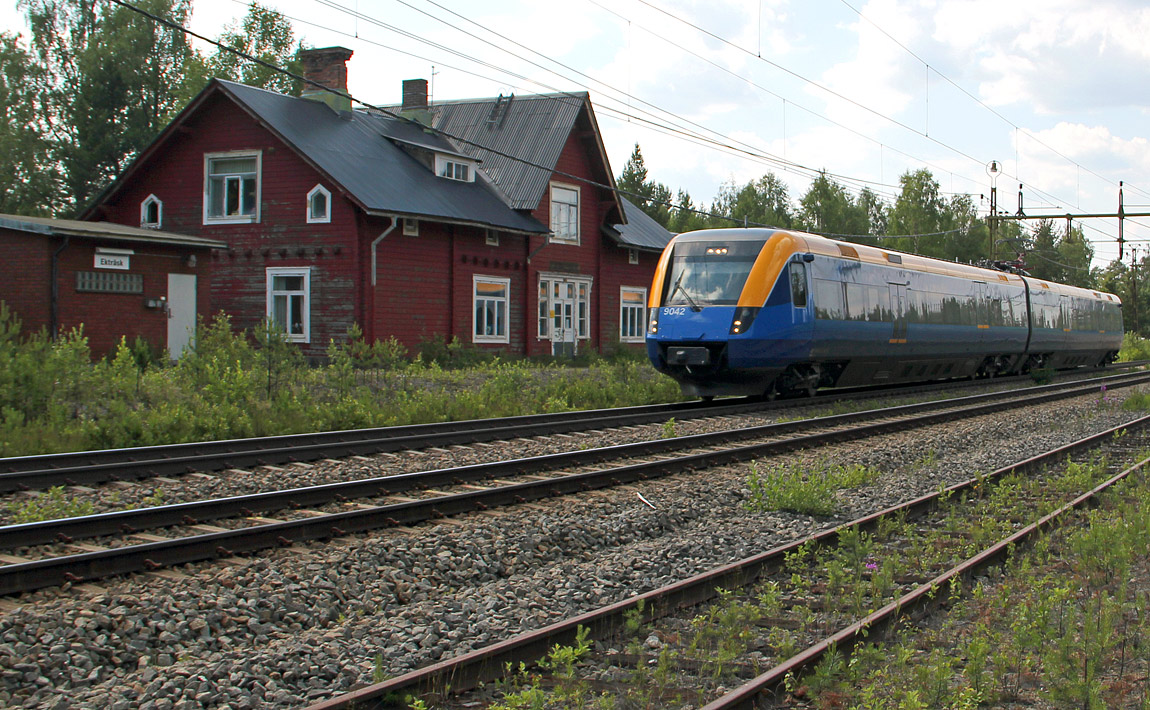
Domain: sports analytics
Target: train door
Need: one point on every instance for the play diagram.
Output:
(898, 312)
(564, 329)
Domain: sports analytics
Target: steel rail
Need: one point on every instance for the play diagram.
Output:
(486, 664)
(94, 467)
(918, 599)
(88, 566)
(198, 512)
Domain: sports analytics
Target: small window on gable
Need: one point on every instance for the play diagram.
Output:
(151, 212)
(318, 205)
(410, 227)
(632, 256)
(492, 238)
(454, 168)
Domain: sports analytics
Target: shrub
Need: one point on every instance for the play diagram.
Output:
(1134, 347)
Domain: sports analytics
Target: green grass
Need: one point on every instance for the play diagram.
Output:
(804, 490)
(54, 398)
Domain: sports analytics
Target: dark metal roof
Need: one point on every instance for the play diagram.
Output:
(103, 231)
(517, 138)
(640, 231)
(532, 129)
(354, 150)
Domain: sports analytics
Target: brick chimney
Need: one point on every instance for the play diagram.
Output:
(326, 66)
(415, 101)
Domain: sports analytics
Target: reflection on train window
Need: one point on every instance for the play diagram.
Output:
(707, 281)
(799, 285)
(829, 300)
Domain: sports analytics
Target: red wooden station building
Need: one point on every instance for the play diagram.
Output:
(494, 221)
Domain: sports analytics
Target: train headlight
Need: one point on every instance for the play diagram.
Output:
(744, 316)
(653, 321)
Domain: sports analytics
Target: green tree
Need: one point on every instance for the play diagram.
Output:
(650, 196)
(762, 201)
(828, 208)
(917, 213)
(111, 78)
(265, 34)
(1076, 254)
(1129, 283)
(33, 183)
(684, 218)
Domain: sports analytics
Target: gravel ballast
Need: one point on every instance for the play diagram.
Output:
(303, 623)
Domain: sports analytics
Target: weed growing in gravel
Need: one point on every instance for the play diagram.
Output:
(524, 690)
(49, 505)
(670, 429)
(1136, 402)
(799, 490)
(722, 632)
(1065, 625)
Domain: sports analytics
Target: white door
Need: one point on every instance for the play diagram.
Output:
(181, 313)
(563, 324)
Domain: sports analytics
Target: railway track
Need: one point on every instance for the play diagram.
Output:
(89, 468)
(192, 539)
(733, 597)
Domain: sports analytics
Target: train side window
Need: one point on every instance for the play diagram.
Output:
(856, 302)
(829, 300)
(799, 285)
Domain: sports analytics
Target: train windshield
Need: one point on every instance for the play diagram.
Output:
(710, 274)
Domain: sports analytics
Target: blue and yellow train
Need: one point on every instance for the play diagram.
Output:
(768, 312)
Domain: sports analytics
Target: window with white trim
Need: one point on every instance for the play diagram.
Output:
(559, 297)
(565, 213)
(232, 187)
(454, 169)
(318, 205)
(632, 256)
(410, 227)
(289, 301)
(151, 212)
(632, 309)
(491, 237)
(491, 296)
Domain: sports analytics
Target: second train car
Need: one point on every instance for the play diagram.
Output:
(767, 312)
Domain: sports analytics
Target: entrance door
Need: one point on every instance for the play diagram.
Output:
(898, 309)
(563, 325)
(181, 313)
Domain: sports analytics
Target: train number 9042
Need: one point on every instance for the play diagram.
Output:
(675, 311)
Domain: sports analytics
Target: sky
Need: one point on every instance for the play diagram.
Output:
(1057, 92)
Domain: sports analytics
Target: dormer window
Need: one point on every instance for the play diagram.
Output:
(454, 168)
(318, 205)
(151, 212)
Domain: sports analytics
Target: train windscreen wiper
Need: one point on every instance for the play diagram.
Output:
(679, 287)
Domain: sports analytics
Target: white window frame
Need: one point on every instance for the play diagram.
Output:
(491, 238)
(639, 316)
(453, 168)
(632, 256)
(209, 158)
(159, 221)
(272, 294)
(564, 213)
(546, 313)
(503, 304)
(410, 227)
(312, 217)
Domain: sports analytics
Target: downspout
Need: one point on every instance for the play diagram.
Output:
(54, 304)
(375, 243)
